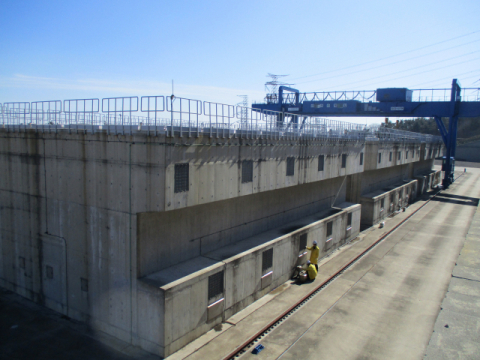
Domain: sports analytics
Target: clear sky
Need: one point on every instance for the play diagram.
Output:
(216, 50)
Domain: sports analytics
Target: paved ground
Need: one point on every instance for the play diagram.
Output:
(457, 327)
(386, 306)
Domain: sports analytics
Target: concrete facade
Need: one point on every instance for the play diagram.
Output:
(90, 224)
(179, 308)
(380, 204)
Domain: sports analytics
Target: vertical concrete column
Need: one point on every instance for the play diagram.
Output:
(354, 188)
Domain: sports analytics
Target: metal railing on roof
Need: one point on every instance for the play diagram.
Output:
(188, 117)
(418, 95)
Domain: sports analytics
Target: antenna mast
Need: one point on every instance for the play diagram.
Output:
(271, 87)
(244, 111)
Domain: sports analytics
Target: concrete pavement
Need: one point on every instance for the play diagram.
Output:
(456, 334)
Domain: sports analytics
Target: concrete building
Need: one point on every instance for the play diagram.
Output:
(156, 239)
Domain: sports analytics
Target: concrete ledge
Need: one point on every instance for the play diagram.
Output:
(379, 204)
(181, 305)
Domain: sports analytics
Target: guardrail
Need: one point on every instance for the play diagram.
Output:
(188, 117)
(418, 95)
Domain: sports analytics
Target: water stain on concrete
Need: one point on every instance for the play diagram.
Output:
(279, 289)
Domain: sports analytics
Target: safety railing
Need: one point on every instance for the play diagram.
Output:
(186, 118)
(418, 95)
(395, 135)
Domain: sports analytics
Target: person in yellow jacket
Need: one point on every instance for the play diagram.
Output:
(315, 250)
(311, 270)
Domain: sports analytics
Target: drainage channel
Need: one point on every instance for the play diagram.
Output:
(254, 340)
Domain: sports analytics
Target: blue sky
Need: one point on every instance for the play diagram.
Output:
(216, 50)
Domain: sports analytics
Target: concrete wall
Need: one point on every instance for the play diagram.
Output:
(428, 181)
(387, 154)
(377, 205)
(167, 238)
(83, 216)
(468, 152)
(180, 304)
(215, 172)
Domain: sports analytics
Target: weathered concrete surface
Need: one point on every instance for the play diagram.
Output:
(468, 152)
(456, 334)
(83, 216)
(176, 297)
(379, 204)
(383, 307)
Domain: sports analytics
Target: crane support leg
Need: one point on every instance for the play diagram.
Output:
(450, 138)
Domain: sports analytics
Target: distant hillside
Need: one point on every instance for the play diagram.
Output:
(468, 128)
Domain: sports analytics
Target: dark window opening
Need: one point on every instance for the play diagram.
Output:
(379, 158)
(49, 272)
(321, 162)
(390, 158)
(215, 285)
(382, 203)
(84, 284)
(329, 229)
(406, 155)
(344, 161)
(290, 166)
(399, 155)
(267, 259)
(361, 158)
(247, 171)
(181, 177)
(303, 242)
(349, 219)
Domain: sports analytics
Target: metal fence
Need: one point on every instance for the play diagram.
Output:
(418, 95)
(173, 116)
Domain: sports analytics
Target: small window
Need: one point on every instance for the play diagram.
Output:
(399, 155)
(382, 203)
(21, 262)
(392, 198)
(290, 166)
(406, 155)
(49, 272)
(344, 161)
(349, 219)
(321, 162)
(329, 229)
(379, 158)
(267, 259)
(84, 284)
(361, 158)
(303, 242)
(181, 177)
(215, 285)
(247, 171)
(391, 155)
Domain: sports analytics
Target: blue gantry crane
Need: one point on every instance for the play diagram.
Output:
(388, 102)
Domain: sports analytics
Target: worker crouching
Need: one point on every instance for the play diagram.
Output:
(305, 272)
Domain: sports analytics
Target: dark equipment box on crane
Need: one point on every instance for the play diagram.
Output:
(394, 95)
